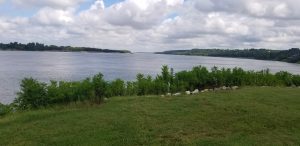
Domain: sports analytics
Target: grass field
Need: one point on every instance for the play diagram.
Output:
(249, 116)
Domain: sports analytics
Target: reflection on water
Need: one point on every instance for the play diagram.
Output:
(46, 66)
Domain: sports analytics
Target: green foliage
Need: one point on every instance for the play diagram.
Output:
(35, 94)
(296, 80)
(116, 88)
(200, 78)
(144, 84)
(131, 88)
(99, 85)
(43, 47)
(166, 76)
(159, 86)
(291, 55)
(4, 109)
(119, 88)
(285, 77)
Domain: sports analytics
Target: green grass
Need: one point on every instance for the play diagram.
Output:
(249, 116)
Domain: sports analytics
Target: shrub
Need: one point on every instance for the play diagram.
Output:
(296, 80)
(33, 95)
(100, 87)
(118, 87)
(54, 93)
(131, 88)
(159, 86)
(36, 94)
(142, 86)
(84, 90)
(4, 109)
(285, 78)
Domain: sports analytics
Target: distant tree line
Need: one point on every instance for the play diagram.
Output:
(15, 46)
(291, 55)
(34, 94)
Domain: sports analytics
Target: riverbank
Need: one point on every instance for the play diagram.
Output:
(15, 46)
(291, 56)
(248, 116)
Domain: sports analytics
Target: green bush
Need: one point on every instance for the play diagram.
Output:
(296, 80)
(285, 78)
(35, 94)
(4, 109)
(141, 84)
(118, 87)
(131, 88)
(100, 87)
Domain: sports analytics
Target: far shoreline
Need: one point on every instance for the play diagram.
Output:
(66, 51)
(290, 56)
(224, 57)
(15, 46)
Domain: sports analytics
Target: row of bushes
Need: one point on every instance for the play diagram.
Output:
(35, 94)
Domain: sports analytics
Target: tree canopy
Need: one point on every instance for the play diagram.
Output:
(15, 46)
(291, 55)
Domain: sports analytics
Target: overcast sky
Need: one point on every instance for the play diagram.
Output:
(153, 25)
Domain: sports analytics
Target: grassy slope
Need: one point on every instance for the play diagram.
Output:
(250, 116)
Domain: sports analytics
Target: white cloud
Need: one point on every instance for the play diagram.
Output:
(3, 25)
(281, 10)
(47, 3)
(99, 4)
(154, 25)
(50, 16)
(257, 9)
(266, 8)
(141, 14)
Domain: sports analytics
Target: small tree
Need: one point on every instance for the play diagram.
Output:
(99, 85)
(131, 88)
(118, 87)
(4, 109)
(53, 92)
(33, 95)
(167, 76)
(285, 77)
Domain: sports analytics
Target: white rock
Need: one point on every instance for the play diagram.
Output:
(187, 92)
(234, 87)
(205, 90)
(169, 94)
(225, 88)
(177, 94)
(195, 91)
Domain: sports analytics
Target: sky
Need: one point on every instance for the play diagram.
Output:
(152, 25)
